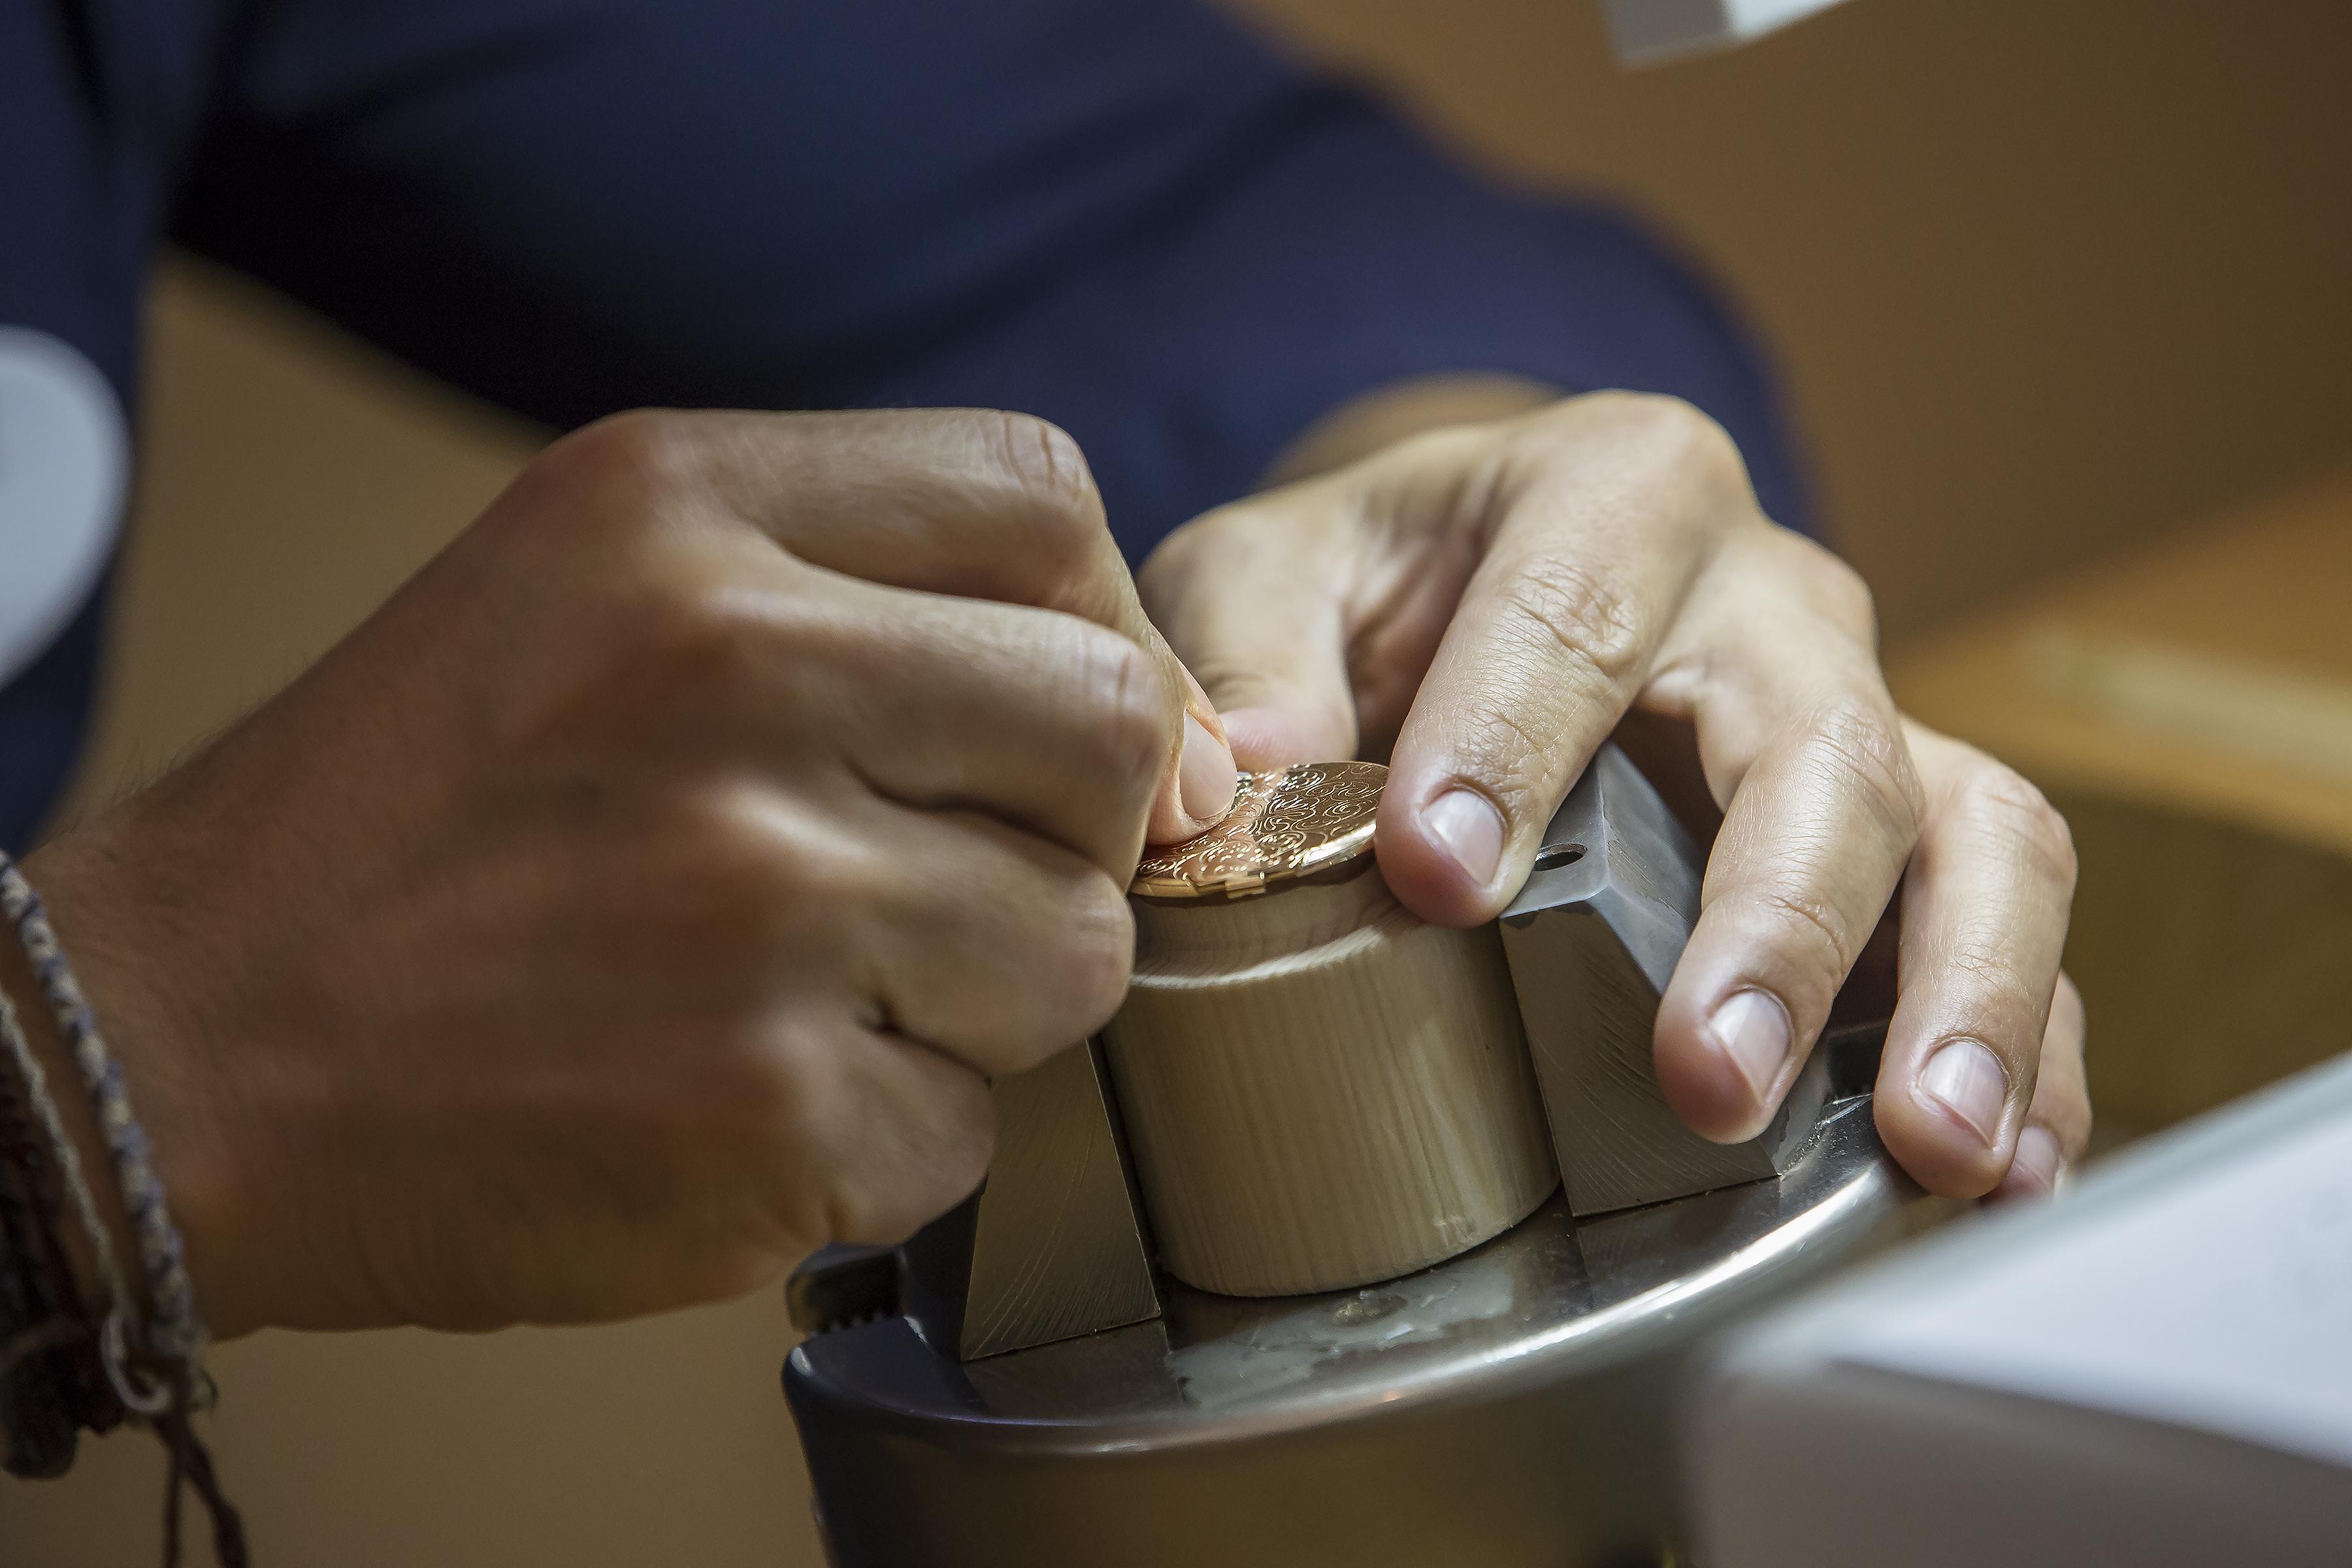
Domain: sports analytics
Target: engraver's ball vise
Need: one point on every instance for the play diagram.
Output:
(1032, 1380)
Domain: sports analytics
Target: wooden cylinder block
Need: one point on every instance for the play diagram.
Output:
(1320, 1090)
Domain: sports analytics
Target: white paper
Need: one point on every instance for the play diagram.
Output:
(2223, 1304)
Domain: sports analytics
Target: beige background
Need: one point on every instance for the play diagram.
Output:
(2048, 277)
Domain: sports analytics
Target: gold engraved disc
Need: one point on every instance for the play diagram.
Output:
(1310, 818)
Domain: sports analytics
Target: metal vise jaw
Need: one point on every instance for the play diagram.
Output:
(1052, 1246)
(1592, 940)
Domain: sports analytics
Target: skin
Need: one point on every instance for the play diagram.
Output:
(640, 899)
(1486, 602)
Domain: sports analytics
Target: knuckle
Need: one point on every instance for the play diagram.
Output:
(804, 876)
(1053, 490)
(1560, 611)
(644, 451)
(1825, 938)
(2004, 808)
(667, 654)
(2061, 1102)
(1839, 590)
(909, 1169)
(951, 1152)
(843, 1159)
(699, 640)
(1177, 559)
(745, 1102)
(1861, 744)
(780, 1088)
(960, 1156)
(1983, 958)
(754, 883)
(1677, 436)
(1097, 954)
(597, 488)
(1121, 697)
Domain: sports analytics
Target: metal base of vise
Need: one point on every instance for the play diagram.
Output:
(1517, 1406)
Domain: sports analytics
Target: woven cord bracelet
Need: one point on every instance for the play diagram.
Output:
(62, 1331)
(121, 1302)
(53, 1383)
(173, 1335)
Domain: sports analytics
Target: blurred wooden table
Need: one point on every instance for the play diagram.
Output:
(2191, 710)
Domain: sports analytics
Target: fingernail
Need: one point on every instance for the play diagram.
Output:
(1205, 774)
(1751, 1028)
(1470, 827)
(1969, 1081)
(2037, 1164)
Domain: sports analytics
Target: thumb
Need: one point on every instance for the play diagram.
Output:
(1250, 598)
(1199, 781)
(1200, 788)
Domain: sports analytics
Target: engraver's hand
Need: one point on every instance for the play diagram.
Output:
(1495, 598)
(641, 898)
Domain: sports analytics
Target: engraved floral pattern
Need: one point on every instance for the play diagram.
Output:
(1304, 818)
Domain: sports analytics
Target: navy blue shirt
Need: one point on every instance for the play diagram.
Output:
(1129, 216)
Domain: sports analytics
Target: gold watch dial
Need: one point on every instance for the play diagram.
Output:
(1312, 818)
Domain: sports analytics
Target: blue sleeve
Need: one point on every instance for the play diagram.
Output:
(1129, 216)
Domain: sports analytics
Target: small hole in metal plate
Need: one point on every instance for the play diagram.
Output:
(1552, 856)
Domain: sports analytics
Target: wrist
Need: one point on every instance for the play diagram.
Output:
(93, 1282)
(152, 1059)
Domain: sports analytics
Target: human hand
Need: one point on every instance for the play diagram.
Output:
(642, 897)
(1490, 602)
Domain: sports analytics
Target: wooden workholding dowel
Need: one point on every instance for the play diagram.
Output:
(1320, 1090)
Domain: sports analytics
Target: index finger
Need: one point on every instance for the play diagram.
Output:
(979, 504)
(975, 504)
(1602, 530)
